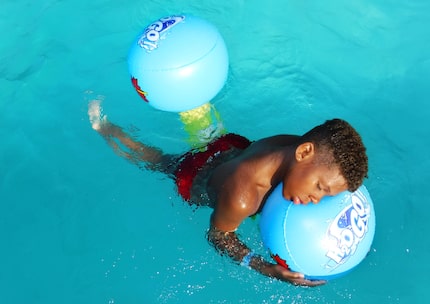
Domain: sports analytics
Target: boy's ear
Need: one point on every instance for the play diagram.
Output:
(305, 151)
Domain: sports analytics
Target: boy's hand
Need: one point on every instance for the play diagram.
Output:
(295, 278)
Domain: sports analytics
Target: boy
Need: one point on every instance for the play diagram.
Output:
(235, 176)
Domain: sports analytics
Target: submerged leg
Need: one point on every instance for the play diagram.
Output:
(124, 145)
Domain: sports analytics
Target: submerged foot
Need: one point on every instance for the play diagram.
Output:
(95, 114)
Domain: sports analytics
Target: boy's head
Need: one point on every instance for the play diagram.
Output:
(337, 143)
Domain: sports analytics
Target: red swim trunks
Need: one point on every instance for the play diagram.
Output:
(193, 161)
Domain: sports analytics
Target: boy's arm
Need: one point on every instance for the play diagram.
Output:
(228, 243)
(237, 197)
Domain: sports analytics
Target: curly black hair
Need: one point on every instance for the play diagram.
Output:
(345, 147)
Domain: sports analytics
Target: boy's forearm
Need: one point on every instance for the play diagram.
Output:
(228, 243)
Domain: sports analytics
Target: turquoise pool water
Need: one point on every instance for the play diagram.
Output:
(78, 224)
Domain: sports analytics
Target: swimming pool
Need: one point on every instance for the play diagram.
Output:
(81, 225)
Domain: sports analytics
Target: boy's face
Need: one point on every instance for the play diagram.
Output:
(309, 181)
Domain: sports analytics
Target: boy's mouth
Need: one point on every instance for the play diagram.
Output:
(296, 200)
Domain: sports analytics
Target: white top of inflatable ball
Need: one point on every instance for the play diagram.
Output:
(176, 41)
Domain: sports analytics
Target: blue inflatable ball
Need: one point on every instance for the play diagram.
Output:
(178, 63)
(322, 241)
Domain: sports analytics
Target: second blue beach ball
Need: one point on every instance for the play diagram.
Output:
(178, 63)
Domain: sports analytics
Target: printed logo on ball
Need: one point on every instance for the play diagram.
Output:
(154, 32)
(347, 230)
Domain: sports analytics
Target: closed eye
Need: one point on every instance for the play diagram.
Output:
(321, 188)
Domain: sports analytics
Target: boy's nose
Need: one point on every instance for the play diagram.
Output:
(315, 199)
